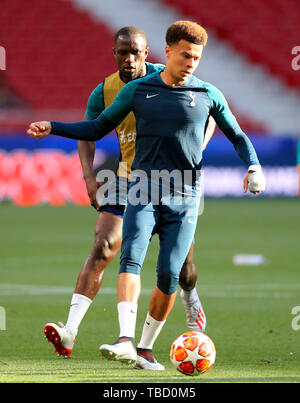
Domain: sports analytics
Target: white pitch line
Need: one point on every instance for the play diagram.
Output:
(26, 290)
(269, 291)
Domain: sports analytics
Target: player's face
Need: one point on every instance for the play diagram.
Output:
(130, 54)
(182, 60)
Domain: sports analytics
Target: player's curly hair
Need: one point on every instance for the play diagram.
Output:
(187, 30)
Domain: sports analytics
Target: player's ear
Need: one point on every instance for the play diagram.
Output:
(167, 50)
(146, 53)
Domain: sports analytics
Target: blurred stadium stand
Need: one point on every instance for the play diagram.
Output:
(264, 31)
(55, 55)
(58, 50)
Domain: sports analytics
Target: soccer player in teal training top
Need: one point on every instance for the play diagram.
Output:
(130, 51)
(172, 109)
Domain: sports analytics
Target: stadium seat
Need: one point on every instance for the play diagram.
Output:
(264, 32)
(41, 177)
(52, 63)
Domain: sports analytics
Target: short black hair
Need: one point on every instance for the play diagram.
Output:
(130, 30)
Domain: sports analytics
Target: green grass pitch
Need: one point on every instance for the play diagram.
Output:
(248, 308)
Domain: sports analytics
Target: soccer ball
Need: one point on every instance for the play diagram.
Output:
(193, 353)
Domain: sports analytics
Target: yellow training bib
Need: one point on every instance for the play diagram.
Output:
(126, 131)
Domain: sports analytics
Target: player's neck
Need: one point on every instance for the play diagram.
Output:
(170, 80)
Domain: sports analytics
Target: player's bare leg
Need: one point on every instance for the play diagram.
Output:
(129, 287)
(107, 242)
(195, 316)
(188, 275)
(161, 304)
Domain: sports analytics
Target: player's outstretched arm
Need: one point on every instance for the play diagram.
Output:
(91, 130)
(254, 181)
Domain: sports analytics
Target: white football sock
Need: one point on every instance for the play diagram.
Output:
(79, 306)
(151, 330)
(127, 313)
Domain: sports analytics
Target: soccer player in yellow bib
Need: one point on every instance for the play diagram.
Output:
(130, 51)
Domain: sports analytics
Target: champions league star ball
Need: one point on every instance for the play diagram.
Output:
(193, 353)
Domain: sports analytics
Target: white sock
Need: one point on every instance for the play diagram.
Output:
(79, 306)
(151, 330)
(190, 295)
(127, 312)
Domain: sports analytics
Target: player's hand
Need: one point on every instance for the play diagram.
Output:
(92, 187)
(39, 130)
(255, 180)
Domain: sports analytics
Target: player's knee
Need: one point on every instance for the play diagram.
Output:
(167, 282)
(104, 249)
(129, 266)
(188, 276)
